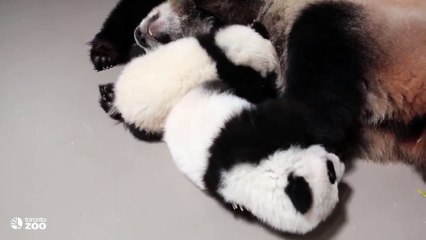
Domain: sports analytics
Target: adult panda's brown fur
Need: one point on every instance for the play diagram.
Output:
(394, 116)
(393, 31)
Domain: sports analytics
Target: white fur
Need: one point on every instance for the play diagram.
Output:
(260, 189)
(168, 21)
(197, 120)
(151, 85)
(192, 126)
(242, 48)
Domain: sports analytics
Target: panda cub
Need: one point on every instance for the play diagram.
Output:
(240, 154)
(150, 85)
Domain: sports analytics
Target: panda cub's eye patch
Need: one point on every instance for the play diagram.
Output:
(299, 192)
(331, 172)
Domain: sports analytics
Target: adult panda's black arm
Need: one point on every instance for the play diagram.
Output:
(328, 59)
(111, 46)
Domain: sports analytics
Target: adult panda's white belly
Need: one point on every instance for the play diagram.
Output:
(192, 126)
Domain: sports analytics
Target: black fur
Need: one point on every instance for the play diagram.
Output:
(106, 101)
(261, 29)
(323, 100)
(299, 192)
(245, 81)
(112, 45)
(327, 65)
(144, 135)
(256, 133)
(217, 86)
(406, 131)
(331, 172)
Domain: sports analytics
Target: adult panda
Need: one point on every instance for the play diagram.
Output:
(150, 85)
(377, 46)
(258, 160)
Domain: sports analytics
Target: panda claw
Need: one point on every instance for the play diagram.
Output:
(104, 54)
(96, 63)
(106, 100)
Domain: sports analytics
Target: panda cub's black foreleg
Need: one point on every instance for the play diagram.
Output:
(246, 82)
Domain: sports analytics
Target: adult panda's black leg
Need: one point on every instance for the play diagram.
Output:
(327, 65)
(106, 101)
(111, 46)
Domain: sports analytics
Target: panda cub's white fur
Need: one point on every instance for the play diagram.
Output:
(260, 188)
(197, 121)
(192, 126)
(150, 85)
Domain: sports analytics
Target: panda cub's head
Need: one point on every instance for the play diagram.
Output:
(292, 190)
(150, 85)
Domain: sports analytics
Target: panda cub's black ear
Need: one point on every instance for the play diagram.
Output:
(261, 29)
(299, 192)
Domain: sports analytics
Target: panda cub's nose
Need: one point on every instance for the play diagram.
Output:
(140, 37)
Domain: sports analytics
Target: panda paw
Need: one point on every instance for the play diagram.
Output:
(106, 101)
(105, 55)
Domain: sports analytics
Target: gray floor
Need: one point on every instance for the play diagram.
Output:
(62, 159)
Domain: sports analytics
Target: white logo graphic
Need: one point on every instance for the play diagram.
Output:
(16, 223)
(28, 223)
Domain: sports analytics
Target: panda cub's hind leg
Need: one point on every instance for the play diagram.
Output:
(106, 101)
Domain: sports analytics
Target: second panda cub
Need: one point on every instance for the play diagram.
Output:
(151, 85)
(262, 160)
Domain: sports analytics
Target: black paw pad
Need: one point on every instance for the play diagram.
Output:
(106, 101)
(105, 55)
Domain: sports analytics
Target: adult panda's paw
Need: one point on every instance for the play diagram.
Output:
(105, 55)
(106, 101)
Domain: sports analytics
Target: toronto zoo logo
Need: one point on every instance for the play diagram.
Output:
(26, 223)
(16, 223)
